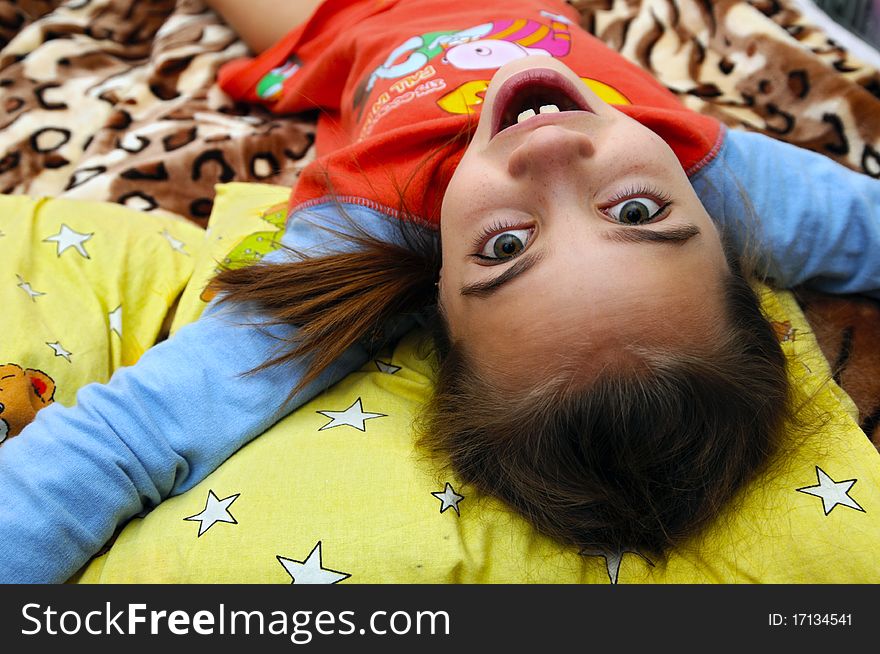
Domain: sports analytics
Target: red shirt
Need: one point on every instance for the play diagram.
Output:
(399, 86)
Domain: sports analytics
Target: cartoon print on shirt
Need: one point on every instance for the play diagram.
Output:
(466, 98)
(487, 46)
(272, 83)
(509, 40)
(415, 53)
(403, 91)
(484, 46)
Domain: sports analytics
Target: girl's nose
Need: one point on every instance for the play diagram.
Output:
(549, 149)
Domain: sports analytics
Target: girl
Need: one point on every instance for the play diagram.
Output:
(605, 367)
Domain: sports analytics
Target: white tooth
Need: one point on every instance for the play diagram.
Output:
(528, 113)
(549, 109)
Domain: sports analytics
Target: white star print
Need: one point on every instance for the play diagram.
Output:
(59, 350)
(26, 287)
(832, 492)
(386, 367)
(311, 571)
(176, 244)
(353, 416)
(215, 511)
(69, 238)
(448, 498)
(115, 318)
(613, 560)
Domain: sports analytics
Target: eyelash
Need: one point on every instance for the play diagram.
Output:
(487, 233)
(663, 200)
(492, 230)
(496, 228)
(655, 194)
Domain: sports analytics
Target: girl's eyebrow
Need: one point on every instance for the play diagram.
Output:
(486, 288)
(633, 234)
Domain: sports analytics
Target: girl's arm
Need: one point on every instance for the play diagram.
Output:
(260, 23)
(809, 218)
(159, 427)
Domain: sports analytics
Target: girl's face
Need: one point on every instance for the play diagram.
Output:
(569, 236)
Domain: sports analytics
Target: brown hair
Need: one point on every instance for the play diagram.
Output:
(638, 459)
(635, 460)
(339, 299)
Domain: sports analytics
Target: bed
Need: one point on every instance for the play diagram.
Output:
(114, 100)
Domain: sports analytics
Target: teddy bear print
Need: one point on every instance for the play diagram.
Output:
(23, 392)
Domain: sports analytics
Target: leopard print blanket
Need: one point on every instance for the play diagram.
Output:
(113, 99)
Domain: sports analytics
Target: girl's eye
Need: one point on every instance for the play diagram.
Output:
(636, 211)
(505, 245)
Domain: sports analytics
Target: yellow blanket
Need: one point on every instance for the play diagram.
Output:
(337, 491)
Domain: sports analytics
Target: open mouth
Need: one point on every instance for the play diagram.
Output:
(532, 92)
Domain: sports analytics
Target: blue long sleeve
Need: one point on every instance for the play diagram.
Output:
(156, 428)
(808, 219)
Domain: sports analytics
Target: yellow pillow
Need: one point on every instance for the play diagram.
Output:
(87, 285)
(337, 492)
(246, 223)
